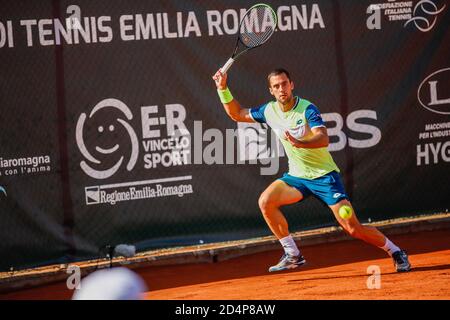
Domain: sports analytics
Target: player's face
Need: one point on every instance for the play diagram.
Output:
(281, 88)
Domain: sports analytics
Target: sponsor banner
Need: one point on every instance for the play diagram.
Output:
(434, 138)
(112, 130)
(76, 27)
(420, 14)
(136, 190)
(25, 165)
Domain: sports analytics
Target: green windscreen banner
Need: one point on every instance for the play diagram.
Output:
(112, 131)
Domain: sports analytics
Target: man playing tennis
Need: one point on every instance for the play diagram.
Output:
(312, 170)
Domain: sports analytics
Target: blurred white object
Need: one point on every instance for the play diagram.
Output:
(111, 284)
(125, 250)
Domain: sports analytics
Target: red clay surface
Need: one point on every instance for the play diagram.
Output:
(333, 271)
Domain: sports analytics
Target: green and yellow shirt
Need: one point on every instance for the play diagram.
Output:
(307, 163)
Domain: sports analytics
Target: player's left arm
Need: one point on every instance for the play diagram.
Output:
(319, 137)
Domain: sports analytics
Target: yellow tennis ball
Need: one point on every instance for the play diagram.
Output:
(345, 212)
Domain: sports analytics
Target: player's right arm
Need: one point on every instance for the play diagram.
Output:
(232, 108)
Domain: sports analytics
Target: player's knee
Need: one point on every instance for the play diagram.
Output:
(265, 203)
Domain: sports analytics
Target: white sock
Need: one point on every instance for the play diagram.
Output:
(289, 246)
(389, 247)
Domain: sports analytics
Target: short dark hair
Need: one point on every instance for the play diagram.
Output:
(277, 72)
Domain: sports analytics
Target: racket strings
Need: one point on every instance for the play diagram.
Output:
(257, 26)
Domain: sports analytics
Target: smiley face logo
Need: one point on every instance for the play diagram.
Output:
(104, 174)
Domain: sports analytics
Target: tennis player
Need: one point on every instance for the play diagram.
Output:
(312, 171)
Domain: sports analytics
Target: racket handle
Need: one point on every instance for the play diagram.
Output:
(227, 65)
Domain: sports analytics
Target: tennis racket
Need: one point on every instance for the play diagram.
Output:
(256, 27)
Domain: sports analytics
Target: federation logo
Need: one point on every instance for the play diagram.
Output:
(422, 16)
(425, 15)
(106, 152)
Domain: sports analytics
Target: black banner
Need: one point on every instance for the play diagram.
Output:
(112, 131)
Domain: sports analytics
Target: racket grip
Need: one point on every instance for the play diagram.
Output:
(227, 65)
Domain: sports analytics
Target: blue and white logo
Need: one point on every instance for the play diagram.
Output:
(2, 189)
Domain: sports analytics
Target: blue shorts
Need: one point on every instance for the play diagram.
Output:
(327, 188)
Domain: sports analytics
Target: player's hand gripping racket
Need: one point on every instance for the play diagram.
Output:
(256, 27)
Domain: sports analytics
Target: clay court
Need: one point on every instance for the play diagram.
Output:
(335, 270)
(167, 136)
